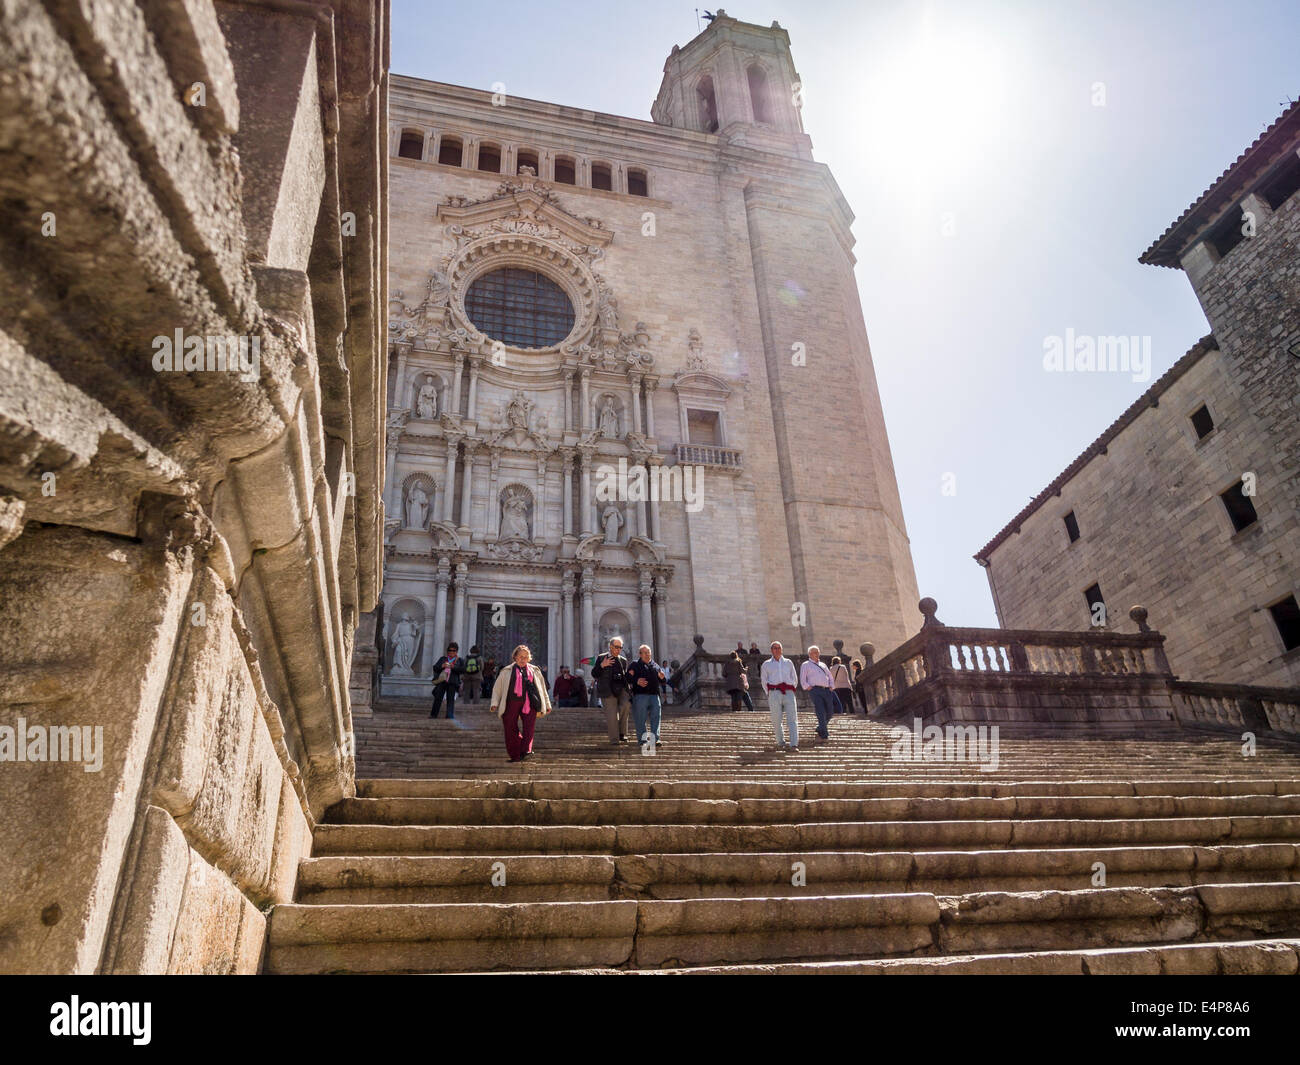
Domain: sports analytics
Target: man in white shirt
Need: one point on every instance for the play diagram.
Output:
(779, 681)
(815, 679)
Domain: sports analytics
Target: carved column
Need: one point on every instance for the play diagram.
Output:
(661, 614)
(568, 492)
(392, 439)
(652, 505)
(466, 484)
(429, 652)
(633, 512)
(584, 422)
(585, 458)
(474, 362)
(539, 501)
(568, 400)
(436, 640)
(458, 607)
(455, 386)
(651, 383)
(636, 402)
(588, 632)
(449, 493)
(646, 633)
(399, 396)
(494, 502)
(567, 657)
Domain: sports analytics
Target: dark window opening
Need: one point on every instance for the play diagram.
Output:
(1240, 509)
(758, 95)
(450, 152)
(565, 172)
(489, 159)
(702, 427)
(411, 146)
(1282, 184)
(1286, 616)
(601, 177)
(1072, 526)
(527, 157)
(708, 105)
(1202, 422)
(637, 185)
(1228, 233)
(1096, 605)
(521, 308)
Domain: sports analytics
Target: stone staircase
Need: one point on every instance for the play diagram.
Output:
(720, 854)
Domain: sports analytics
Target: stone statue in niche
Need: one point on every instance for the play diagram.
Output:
(607, 421)
(607, 311)
(517, 412)
(417, 507)
(404, 643)
(426, 402)
(514, 515)
(608, 631)
(611, 520)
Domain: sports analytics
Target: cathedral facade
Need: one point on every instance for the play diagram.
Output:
(625, 358)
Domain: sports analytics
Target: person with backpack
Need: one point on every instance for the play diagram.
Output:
(473, 671)
(841, 684)
(447, 674)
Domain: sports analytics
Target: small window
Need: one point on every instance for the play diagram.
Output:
(1202, 422)
(707, 102)
(1072, 526)
(526, 157)
(1283, 183)
(702, 427)
(758, 95)
(1228, 233)
(489, 159)
(637, 185)
(1286, 616)
(450, 152)
(566, 172)
(1240, 509)
(1096, 605)
(601, 177)
(412, 145)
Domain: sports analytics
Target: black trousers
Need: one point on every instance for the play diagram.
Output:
(439, 690)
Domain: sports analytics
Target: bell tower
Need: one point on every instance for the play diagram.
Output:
(738, 81)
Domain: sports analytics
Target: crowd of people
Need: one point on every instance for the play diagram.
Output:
(634, 692)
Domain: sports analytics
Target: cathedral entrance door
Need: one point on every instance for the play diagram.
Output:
(523, 625)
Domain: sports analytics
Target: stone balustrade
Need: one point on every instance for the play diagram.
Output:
(709, 455)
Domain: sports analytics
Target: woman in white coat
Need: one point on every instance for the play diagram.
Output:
(520, 697)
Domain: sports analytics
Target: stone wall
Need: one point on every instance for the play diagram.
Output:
(184, 552)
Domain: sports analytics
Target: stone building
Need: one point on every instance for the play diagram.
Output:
(1190, 502)
(192, 359)
(583, 305)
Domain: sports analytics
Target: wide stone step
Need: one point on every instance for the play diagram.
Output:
(570, 878)
(647, 934)
(716, 811)
(852, 835)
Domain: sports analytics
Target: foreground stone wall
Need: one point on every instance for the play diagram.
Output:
(184, 553)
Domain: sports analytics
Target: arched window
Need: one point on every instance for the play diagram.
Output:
(758, 97)
(708, 105)
(412, 144)
(566, 171)
(602, 177)
(489, 158)
(519, 307)
(637, 183)
(527, 157)
(451, 151)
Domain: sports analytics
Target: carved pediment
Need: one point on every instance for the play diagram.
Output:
(528, 207)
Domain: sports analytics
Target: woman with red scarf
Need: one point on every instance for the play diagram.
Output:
(520, 697)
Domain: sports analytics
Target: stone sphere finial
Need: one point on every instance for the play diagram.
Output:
(928, 606)
(1139, 614)
(868, 652)
(839, 647)
(699, 643)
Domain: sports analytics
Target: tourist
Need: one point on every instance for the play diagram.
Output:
(735, 681)
(473, 672)
(610, 671)
(753, 648)
(860, 686)
(519, 697)
(779, 681)
(447, 672)
(740, 648)
(670, 690)
(489, 677)
(566, 688)
(647, 680)
(815, 679)
(842, 685)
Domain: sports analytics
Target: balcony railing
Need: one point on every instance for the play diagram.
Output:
(710, 455)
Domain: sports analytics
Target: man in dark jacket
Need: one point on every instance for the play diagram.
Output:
(610, 671)
(447, 672)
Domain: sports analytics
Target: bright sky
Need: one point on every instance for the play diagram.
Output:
(997, 203)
